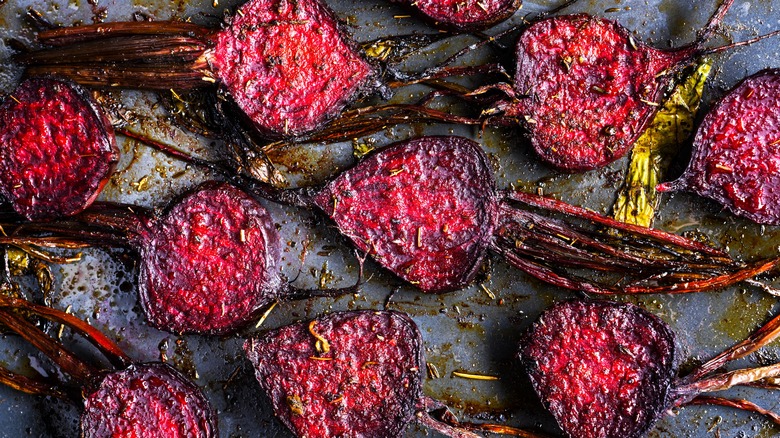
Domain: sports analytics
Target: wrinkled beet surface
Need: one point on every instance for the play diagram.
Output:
(368, 384)
(288, 65)
(591, 89)
(144, 401)
(465, 15)
(422, 208)
(210, 263)
(736, 159)
(57, 149)
(602, 369)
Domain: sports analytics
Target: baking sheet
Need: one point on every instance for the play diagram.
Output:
(466, 330)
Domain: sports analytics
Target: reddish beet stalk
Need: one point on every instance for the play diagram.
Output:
(736, 161)
(208, 264)
(352, 374)
(57, 149)
(428, 211)
(608, 370)
(149, 399)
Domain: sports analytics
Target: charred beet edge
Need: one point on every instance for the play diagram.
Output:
(351, 374)
(423, 208)
(289, 66)
(608, 370)
(209, 264)
(464, 16)
(57, 149)
(151, 399)
(427, 210)
(735, 156)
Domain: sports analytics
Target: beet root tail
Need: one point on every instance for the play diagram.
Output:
(630, 259)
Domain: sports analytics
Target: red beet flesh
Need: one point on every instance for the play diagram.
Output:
(57, 149)
(210, 263)
(602, 369)
(144, 401)
(592, 89)
(736, 160)
(464, 16)
(288, 65)
(422, 208)
(367, 384)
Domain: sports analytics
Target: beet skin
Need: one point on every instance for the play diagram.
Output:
(423, 208)
(592, 89)
(462, 15)
(288, 65)
(604, 370)
(144, 401)
(736, 160)
(57, 149)
(210, 263)
(364, 380)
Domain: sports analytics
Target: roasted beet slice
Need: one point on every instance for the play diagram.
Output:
(608, 370)
(464, 16)
(346, 374)
(735, 159)
(57, 149)
(592, 89)
(602, 369)
(137, 402)
(140, 400)
(288, 65)
(210, 263)
(423, 208)
(352, 374)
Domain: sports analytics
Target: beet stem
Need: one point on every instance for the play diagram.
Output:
(737, 404)
(115, 355)
(551, 204)
(547, 275)
(66, 360)
(69, 35)
(120, 49)
(29, 385)
(716, 282)
(758, 339)
(727, 380)
(445, 429)
(713, 23)
(720, 49)
(530, 242)
(158, 76)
